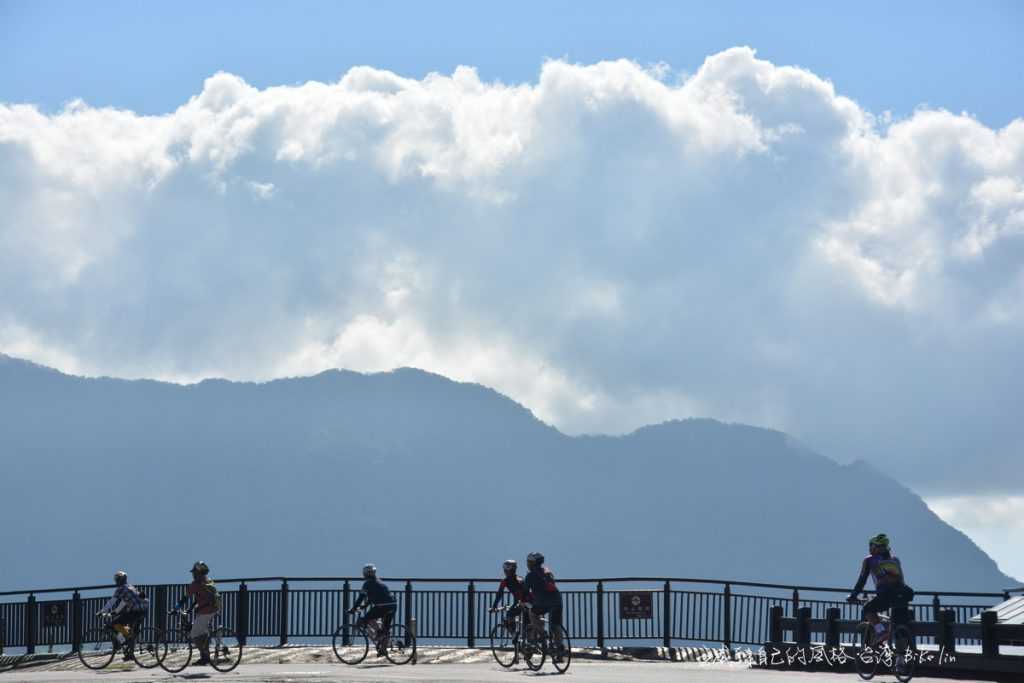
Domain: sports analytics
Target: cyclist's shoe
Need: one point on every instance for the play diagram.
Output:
(128, 656)
(202, 661)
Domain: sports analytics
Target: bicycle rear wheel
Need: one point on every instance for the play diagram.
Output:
(225, 649)
(350, 644)
(401, 645)
(98, 648)
(560, 648)
(177, 651)
(148, 649)
(867, 657)
(904, 657)
(503, 645)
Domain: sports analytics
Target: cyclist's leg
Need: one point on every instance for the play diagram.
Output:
(200, 636)
(536, 629)
(881, 602)
(556, 620)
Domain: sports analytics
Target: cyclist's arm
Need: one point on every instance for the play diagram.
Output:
(497, 598)
(110, 604)
(862, 579)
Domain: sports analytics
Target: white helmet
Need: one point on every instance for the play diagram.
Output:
(369, 570)
(509, 566)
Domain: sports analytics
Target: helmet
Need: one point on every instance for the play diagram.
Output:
(509, 566)
(201, 568)
(881, 540)
(534, 559)
(369, 570)
(120, 578)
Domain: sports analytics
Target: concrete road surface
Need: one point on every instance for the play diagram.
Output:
(610, 672)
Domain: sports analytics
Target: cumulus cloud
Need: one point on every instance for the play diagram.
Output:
(609, 245)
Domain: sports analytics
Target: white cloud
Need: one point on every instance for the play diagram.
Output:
(608, 246)
(995, 523)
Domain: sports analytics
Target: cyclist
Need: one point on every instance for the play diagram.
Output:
(381, 605)
(516, 587)
(127, 608)
(207, 607)
(543, 594)
(887, 573)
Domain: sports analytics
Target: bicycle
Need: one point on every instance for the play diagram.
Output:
(100, 645)
(552, 642)
(894, 647)
(351, 642)
(225, 647)
(508, 635)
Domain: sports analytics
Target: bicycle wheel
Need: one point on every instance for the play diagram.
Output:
(866, 660)
(560, 648)
(225, 649)
(98, 648)
(148, 648)
(177, 651)
(533, 654)
(904, 656)
(503, 645)
(401, 645)
(350, 644)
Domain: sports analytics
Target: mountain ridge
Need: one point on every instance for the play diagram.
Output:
(433, 476)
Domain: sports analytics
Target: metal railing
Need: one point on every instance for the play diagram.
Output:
(455, 611)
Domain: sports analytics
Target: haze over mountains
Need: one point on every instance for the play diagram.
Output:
(425, 477)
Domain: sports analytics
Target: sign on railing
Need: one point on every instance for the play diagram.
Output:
(636, 605)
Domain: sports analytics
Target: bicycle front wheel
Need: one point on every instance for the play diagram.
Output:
(401, 645)
(148, 648)
(904, 656)
(867, 657)
(350, 644)
(225, 649)
(98, 648)
(503, 645)
(561, 649)
(533, 654)
(176, 652)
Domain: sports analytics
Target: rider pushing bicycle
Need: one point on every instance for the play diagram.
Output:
(887, 573)
(381, 605)
(207, 607)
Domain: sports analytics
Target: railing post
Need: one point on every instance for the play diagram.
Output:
(796, 601)
(727, 617)
(160, 608)
(666, 615)
(989, 643)
(775, 624)
(283, 627)
(945, 637)
(803, 626)
(346, 605)
(600, 614)
(936, 607)
(76, 622)
(243, 613)
(30, 624)
(832, 627)
(408, 604)
(470, 615)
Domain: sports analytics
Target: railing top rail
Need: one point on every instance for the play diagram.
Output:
(625, 579)
(1019, 589)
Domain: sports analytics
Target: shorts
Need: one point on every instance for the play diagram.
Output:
(889, 597)
(385, 613)
(127, 618)
(554, 610)
(201, 625)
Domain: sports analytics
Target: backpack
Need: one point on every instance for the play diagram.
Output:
(213, 594)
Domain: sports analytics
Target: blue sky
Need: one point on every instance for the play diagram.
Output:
(149, 57)
(610, 244)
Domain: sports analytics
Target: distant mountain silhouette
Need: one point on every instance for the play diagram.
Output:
(424, 476)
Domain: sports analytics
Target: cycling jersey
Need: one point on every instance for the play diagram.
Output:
(126, 598)
(514, 585)
(540, 583)
(884, 570)
(375, 593)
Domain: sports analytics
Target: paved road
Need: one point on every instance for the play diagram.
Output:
(599, 672)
